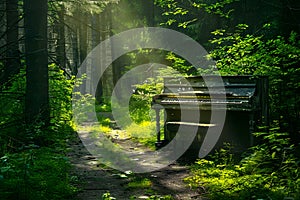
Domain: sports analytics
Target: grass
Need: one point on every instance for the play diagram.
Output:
(40, 174)
(139, 183)
(143, 133)
(252, 178)
(96, 128)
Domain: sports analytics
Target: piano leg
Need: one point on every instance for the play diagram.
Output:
(157, 125)
(251, 128)
(160, 143)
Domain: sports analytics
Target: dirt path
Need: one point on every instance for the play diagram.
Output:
(96, 179)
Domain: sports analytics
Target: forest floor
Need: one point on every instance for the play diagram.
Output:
(95, 179)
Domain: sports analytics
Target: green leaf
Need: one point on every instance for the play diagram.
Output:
(5, 169)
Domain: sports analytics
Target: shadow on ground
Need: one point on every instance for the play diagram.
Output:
(94, 179)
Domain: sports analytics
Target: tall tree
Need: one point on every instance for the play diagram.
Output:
(37, 98)
(12, 61)
(61, 40)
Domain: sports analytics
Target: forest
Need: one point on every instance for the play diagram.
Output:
(47, 61)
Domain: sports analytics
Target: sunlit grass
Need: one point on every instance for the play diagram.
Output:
(95, 128)
(143, 133)
(140, 183)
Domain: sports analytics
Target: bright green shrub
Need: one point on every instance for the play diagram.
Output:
(140, 101)
(270, 171)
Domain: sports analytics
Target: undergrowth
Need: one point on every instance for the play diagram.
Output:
(33, 161)
(40, 173)
(270, 171)
(143, 133)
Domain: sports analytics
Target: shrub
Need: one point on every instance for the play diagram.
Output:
(39, 173)
(270, 171)
(32, 161)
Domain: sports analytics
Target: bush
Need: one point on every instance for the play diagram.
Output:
(35, 174)
(144, 133)
(271, 171)
(32, 164)
(140, 102)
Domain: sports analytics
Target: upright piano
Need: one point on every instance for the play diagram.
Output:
(191, 102)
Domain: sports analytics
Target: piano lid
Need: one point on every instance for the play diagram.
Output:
(235, 86)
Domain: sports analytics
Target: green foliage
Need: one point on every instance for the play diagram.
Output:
(144, 133)
(278, 58)
(218, 8)
(106, 107)
(275, 156)
(39, 173)
(13, 129)
(140, 183)
(180, 64)
(195, 18)
(107, 196)
(174, 10)
(11, 114)
(158, 197)
(180, 67)
(85, 6)
(140, 101)
(223, 156)
(82, 105)
(271, 171)
(32, 165)
(249, 54)
(60, 95)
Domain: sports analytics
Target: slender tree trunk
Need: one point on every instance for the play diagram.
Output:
(61, 47)
(100, 87)
(115, 65)
(83, 37)
(12, 64)
(95, 62)
(106, 56)
(75, 50)
(37, 83)
(83, 45)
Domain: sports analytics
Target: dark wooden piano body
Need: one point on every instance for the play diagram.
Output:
(245, 104)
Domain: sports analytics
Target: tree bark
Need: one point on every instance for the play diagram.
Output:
(75, 51)
(83, 46)
(12, 61)
(95, 62)
(37, 83)
(61, 47)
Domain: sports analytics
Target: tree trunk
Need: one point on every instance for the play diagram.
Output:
(115, 65)
(12, 64)
(83, 37)
(75, 51)
(106, 55)
(61, 48)
(103, 34)
(83, 46)
(37, 83)
(95, 62)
